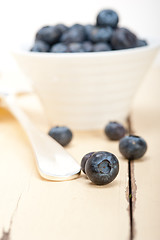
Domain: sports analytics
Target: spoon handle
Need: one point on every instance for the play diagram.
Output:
(53, 161)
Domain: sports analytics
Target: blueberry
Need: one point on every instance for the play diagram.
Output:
(107, 17)
(62, 135)
(61, 27)
(75, 47)
(84, 160)
(76, 33)
(115, 130)
(132, 147)
(48, 34)
(87, 46)
(141, 43)
(78, 26)
(100, 47)
(40, 46)
(102, 167)
(88, 29)
(122, 38)
(59, 48)
(99, 34)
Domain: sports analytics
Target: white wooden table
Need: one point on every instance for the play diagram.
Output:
(32, 208)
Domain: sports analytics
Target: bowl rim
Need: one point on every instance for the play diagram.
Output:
(20, 50)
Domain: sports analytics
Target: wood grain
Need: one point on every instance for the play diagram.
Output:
(33, 208)
(146, 123)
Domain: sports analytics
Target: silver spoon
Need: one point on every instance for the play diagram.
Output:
(53, 161)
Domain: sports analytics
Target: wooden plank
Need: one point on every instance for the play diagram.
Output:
(146, 122)
(32, 208)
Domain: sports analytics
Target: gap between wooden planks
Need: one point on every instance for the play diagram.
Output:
(32, 208)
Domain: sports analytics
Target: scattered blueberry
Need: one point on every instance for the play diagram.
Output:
(115, 130)
(48, 34)
(132, 147)
(59, 48)
(40, 46)
(102, 167)
(84, 160)
(62, 135)
(107, 17)
(101, 46)
(99, 34)
(123, 38)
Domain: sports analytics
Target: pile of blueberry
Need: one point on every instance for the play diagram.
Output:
(102, 167)
(104, 35)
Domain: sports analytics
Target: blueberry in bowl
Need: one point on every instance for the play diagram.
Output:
(40, 46)
(74, 34)
(83, 83)
(106, 30)
(101, 34)
(101, 47)
(122, 38)
(48, 34)
(59, 48)
(107, 17)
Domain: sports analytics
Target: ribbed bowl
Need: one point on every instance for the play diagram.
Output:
(86, 90)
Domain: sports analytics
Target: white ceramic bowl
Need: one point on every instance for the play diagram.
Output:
(86, 90)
